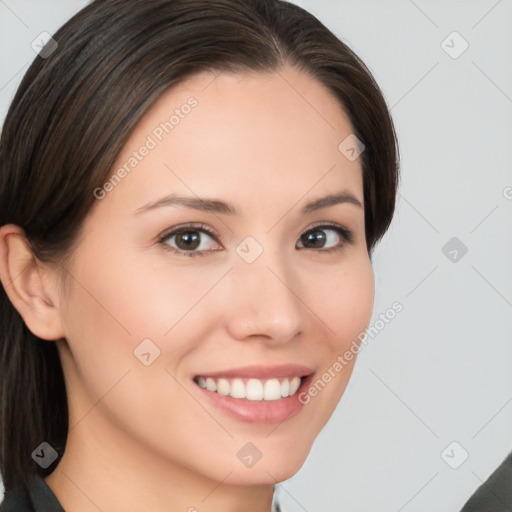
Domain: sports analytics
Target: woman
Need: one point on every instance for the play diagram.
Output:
(190, 194)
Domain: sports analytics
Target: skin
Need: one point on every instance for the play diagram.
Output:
(143, 437)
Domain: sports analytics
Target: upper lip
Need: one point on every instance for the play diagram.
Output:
(261, 372)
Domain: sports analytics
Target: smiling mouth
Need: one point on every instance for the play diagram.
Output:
(252, 389)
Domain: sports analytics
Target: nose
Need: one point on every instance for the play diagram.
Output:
(264, 302)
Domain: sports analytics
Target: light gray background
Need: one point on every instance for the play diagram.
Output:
(441, 370)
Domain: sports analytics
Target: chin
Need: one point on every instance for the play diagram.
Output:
(275, 465)
(269, 474)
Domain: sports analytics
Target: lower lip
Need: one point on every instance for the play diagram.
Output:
(256, 411)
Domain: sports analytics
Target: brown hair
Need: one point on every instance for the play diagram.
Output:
(76, 108)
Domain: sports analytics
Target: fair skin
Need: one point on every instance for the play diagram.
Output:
(148, 437)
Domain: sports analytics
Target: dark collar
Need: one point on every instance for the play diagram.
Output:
(38, 498)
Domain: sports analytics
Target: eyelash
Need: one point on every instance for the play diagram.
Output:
(344, 233)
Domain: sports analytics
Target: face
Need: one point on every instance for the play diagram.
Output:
(222, 270)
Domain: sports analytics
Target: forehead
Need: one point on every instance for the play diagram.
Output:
(274, 136)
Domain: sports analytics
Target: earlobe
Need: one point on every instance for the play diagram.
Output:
(22, 277)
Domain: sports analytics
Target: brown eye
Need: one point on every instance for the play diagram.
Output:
(324, 237)
(190, 240)
(314, 239)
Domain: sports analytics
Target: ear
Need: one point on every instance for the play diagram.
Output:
(28, 285)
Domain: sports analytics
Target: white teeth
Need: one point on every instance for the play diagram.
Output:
(252, 389)
(285, 388)
(294, 385)
(211, 385)
(237, 389)
(272, 390)
(223, 387)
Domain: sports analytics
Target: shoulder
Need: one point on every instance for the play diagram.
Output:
(38, 498)
(495, 494)
(16, 500)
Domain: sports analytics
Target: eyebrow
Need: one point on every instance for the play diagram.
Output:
(221, 207)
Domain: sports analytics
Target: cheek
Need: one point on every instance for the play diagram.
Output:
(122, 302)
(151, 300)
(106, 321)
(130, 299)
(345, 307)
(345, 303)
